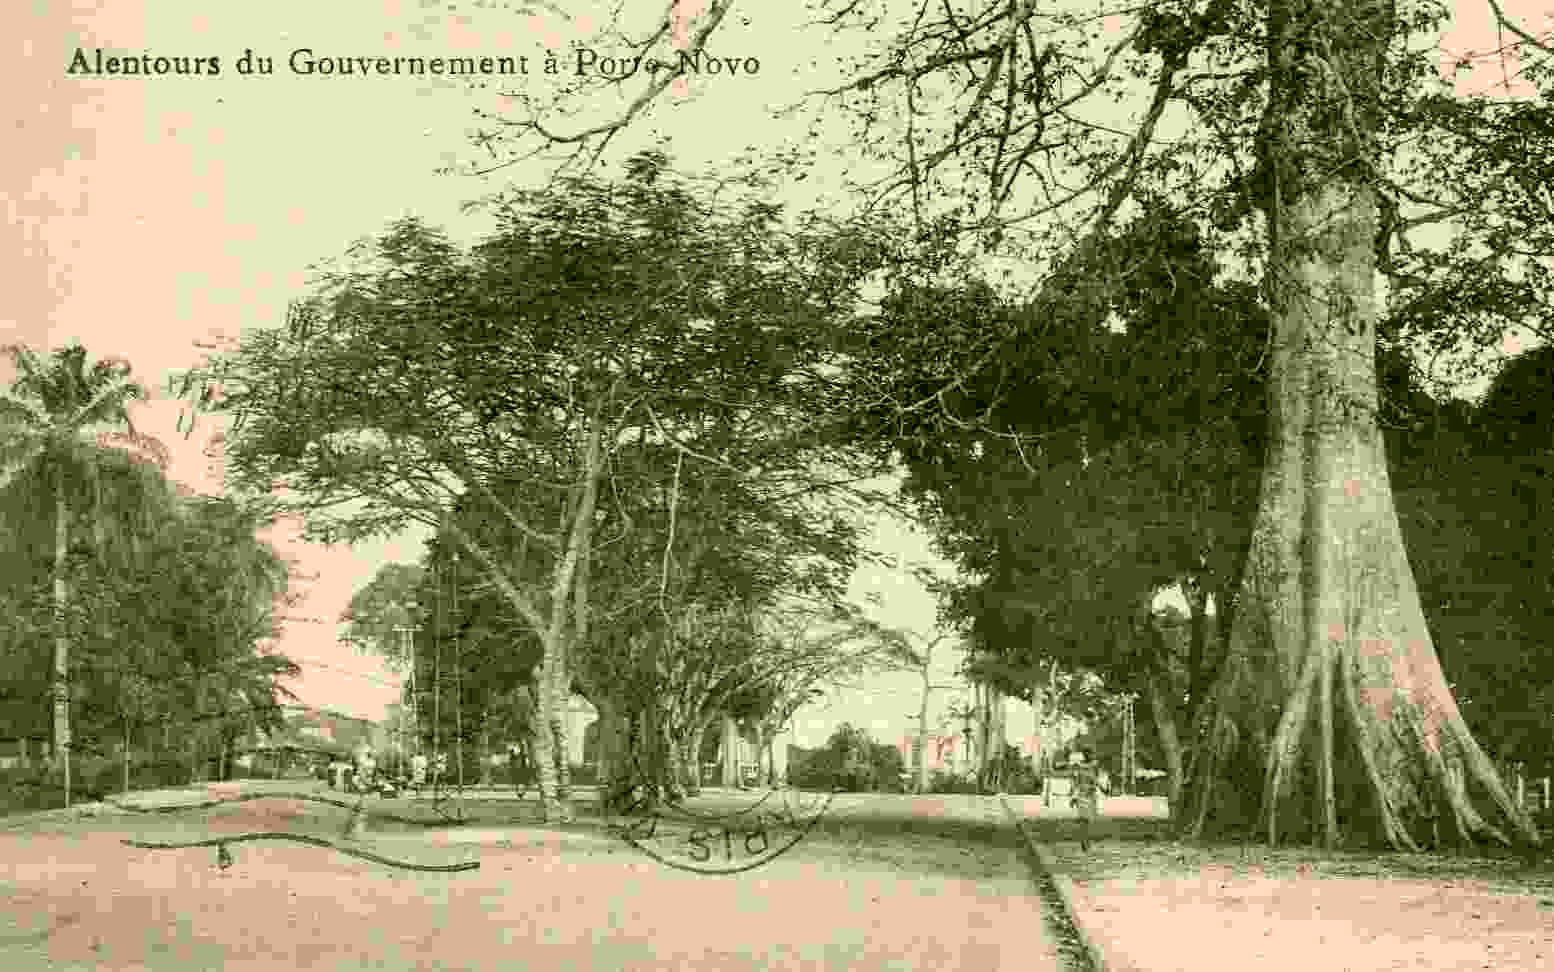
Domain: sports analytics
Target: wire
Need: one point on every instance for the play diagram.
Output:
(221, 842)
(281, 795)
(303, 659)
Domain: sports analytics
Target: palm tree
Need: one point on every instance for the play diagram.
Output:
(63, 422)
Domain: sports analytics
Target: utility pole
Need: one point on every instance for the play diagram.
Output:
(1129, 743)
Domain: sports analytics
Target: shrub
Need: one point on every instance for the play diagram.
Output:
(941, 782)
(851, 762)
(1019, 772)
(29, 788)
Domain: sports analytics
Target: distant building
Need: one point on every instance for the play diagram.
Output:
(311, 729)
(943, 753)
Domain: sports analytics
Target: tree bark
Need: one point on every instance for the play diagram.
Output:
(691, 757)
(563, 735)
(922, 719)
(1197, 644)
(667, 762)
(1164, 714)
(484, 754)
(546, 779)
(614, 764)
(730, 752)
(62, 634)
(1331, 692)
(126, 755)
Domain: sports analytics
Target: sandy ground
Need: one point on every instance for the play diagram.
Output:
(1220, 921)
(866, 894)
(1164, 907)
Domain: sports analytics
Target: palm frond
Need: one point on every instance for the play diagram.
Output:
(16, 457)
(135, 442)
(25, 359)
(108, 401)
(16, 408)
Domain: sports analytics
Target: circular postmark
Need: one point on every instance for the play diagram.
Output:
(713, 842)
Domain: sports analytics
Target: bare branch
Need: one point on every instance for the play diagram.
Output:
(1517, 29)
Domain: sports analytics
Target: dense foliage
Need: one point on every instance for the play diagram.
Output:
(851, 761)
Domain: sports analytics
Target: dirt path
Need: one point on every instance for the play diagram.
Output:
(886, 886)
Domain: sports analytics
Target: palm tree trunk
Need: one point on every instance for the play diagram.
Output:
(61, 634)
(485, 753)
(126, 755)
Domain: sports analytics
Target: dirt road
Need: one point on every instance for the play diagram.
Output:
(889, 883)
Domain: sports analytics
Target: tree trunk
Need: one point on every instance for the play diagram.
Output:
(1331, 693)
(653, 761)
(922, 720)
(1198, 664)
(614, 763)
(1039, 715)
(559, 687)
(730, 752)
(1164, 714)
(566, 622)
(61, 635)
(691, 757)
(989, 735)
(562, 733)
(485, 754)
(552, 807)
(126, 756)
(763, 763)
(666, 763)
(999, 740)
(195, 776)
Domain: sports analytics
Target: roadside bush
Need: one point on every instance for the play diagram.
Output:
(941, 782)
(1019, 772)
(850, 761)
(25, 788)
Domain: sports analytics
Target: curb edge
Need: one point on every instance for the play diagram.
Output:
(1064, 886)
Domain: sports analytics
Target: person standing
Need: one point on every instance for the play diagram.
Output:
(1086, 796)
(364, 766)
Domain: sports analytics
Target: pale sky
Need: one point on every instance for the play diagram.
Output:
(145, 214)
